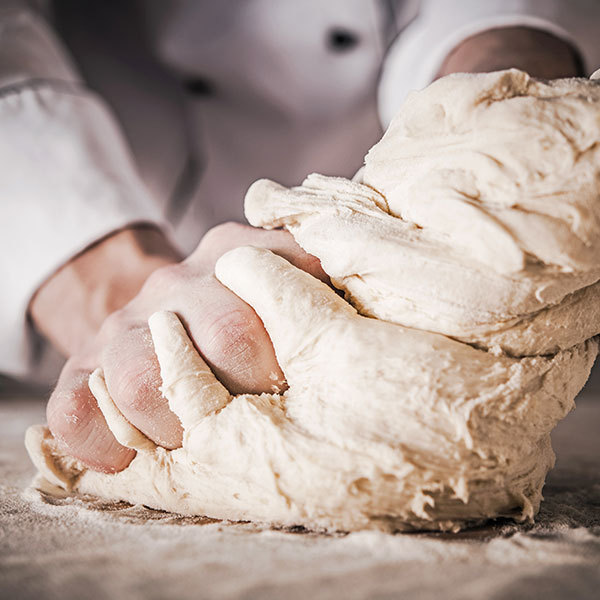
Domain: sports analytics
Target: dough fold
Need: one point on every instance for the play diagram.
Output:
(468, 256)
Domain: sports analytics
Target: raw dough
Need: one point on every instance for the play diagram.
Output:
(469, 257)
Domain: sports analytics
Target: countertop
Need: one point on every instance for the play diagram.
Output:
(75, 548)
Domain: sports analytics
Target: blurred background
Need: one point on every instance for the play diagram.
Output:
(207, 96)
(213, 95)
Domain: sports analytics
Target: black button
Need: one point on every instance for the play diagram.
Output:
(341, 40)
(199, 87)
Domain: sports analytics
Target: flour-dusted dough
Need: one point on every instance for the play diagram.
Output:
(469, 255)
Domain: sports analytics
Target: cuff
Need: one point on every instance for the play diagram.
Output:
(67, 180)
(416, 56)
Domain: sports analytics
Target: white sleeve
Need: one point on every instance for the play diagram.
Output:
(66, 176)
(419, 51)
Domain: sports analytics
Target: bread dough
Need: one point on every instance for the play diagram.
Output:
(468, 253)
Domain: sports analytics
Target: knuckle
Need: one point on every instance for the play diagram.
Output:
(222, 234)
(77, 424)
(134, 383)
(226, 229)
(240, 352)
(233, 334)
(134, 392)
(112, 325)
(70, 410)
(164, 278)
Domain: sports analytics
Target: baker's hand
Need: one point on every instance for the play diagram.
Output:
(226, 331)
(540, 53)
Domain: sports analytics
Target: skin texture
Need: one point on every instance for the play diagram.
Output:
(71, 306)
(225, 330)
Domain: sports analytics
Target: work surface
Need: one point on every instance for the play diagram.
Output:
(72, 548)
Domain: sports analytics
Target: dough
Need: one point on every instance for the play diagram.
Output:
(468, 252)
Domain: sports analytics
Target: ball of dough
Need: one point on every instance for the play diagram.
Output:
(468, 254)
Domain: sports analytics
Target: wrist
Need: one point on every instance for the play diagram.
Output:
(70, 306)
(537, 52)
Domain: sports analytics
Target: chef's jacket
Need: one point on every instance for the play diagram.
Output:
(167, 115)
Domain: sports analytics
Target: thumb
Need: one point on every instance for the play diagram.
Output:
(296, 308)
(190, 387)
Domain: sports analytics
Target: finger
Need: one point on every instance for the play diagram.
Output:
(188, 384)
(295, 308)
(228, 236)
(78, 425)
(125, 433)
(231, 339)
(132, 376)
(227, 332)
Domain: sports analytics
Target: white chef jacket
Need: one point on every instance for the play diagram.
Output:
(281, 89)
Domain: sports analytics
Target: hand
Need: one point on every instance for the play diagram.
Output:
(69, 308)
(541, 54)
(378, 420)
(226, 331)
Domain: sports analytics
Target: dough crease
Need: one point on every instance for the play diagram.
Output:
(468, 251)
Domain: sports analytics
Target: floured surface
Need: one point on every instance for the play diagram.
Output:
(73, 548)
(468, 255)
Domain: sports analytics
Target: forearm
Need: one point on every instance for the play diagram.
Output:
(539, 53)
(70, 306)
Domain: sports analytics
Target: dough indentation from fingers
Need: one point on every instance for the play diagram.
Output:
(468, 256)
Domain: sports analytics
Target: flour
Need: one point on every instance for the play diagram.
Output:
(468, 253)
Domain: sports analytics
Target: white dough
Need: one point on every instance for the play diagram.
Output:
(469, 256)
